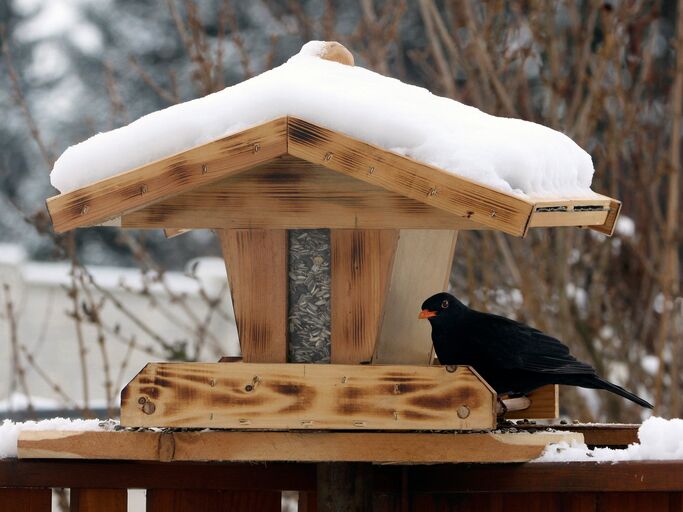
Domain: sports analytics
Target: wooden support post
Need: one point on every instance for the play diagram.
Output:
(256, 261)
(344, 487)
(25, 500)
(361, 265)
(422, 267)
(99, 500)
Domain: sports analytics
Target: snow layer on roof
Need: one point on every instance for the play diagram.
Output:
(660, 439)
(511, 155)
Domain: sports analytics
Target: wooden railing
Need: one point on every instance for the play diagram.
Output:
(587, 486)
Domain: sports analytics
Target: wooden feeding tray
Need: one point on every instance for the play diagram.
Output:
(308, 396)
(392, 225)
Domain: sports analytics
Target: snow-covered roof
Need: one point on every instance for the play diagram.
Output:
(528, 163)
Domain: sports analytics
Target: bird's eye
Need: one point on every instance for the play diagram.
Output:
(444, 304)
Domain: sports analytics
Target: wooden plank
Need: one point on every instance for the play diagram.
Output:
(555, 212)
(312, 446)
(256, 262)
(138, 446)
(306, 396)
(545, 405)
(632, 476)
(25, 500)
(180, 500)
(99, 500)
(174, 232)
(557, 219)
(650, 476)
(344, 487)
(409, 178)
(603, 434)
(130, 190)
(422, 267)
(290, 193)
(360, 266)
(633, 502)
(308, 501)
(611, 222)
(506, 502)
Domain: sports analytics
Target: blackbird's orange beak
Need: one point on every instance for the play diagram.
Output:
(425, 313)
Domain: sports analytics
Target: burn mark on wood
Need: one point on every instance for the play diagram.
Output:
(150, 391)
(410, 414)
(306, 133)
(183, 171)
(287, 389)
(303, 397)
(407, 387)
(164, 383)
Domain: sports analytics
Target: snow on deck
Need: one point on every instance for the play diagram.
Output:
(660, 439)
(511, 155)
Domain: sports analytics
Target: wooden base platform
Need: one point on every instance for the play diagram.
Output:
(239, 446)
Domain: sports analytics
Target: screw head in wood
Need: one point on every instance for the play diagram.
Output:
(493, 213)
(212, 382)
(142, 400)
(205, 168)
(463, 412)
(432, 192)
(143, 189)
(371, 171)
(450, 368)
(84, 209)
(248, 388)
(256, 148)
(149, 408)
(328, 156)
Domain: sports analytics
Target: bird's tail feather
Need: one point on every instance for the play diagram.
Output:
(598, 383)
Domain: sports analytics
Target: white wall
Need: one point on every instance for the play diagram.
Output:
(41, 301)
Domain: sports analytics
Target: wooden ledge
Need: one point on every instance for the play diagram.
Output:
(237, 446)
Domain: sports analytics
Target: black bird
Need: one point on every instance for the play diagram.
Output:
(513, 358)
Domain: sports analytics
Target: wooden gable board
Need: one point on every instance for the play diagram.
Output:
(134, 189)
(468, 205)
(290, 193)
(407, 177)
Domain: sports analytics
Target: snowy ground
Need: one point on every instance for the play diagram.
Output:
(511, 155)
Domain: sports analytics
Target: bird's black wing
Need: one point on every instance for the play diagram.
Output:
(513, 345)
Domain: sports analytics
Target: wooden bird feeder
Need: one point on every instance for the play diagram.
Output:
(393, 224)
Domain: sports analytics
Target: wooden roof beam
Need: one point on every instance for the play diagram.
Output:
(424, 183)
(134, 189)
